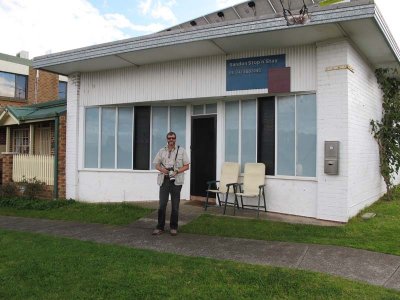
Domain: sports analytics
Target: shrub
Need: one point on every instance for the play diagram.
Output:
(9, 190)
(21, 203)
(31, 188)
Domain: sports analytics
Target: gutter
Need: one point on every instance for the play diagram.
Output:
(387, 34)
(206, 32)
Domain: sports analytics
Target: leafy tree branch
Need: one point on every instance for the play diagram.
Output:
(387, 130)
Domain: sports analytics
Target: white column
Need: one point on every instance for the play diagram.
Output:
(332, 125)
(71, 168)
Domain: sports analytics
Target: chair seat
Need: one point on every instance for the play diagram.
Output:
(213, 191)
(247, 195)
(217, 191)
(225, 185)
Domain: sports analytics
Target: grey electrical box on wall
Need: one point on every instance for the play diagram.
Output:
(331, 164)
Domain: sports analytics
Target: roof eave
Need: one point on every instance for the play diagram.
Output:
(205, 33)
(387, 34)
(9, 112)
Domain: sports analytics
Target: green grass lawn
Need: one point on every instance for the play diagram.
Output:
(36, 266)
(114, 214)
(381, 234)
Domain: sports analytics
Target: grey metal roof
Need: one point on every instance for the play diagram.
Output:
(350, 20)
(261, 8)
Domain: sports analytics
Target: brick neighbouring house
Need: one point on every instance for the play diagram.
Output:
(28, 117)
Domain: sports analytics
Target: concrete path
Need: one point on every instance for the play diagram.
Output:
(373, 268)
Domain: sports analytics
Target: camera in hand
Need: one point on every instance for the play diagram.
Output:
(171, 173)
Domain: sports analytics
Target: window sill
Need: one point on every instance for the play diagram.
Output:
(13, 99)
(117, 170)
(297, 178)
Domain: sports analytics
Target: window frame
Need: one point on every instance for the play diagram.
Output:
(24, 138)
(61, 82)
(312, 178)
(151, 167)
(99, 138)
(239, 153)
(276, 99)
(39, 147)
(15, 87)
(204, 109)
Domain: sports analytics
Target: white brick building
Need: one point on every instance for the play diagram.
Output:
(246, 90)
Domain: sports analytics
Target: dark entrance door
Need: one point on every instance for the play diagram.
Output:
(203, 154)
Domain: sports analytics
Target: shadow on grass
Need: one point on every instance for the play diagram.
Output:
(107, 213)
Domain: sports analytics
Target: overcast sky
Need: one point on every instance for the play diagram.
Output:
(49, 26)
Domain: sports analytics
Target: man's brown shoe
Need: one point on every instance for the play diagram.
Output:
(173, 232)
(157, 231)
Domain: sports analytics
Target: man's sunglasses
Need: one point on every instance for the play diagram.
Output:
(171, 138)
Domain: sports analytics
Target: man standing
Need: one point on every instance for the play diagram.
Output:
(172, 161)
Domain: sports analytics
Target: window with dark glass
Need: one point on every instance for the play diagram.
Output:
(129, 137)
(62, 90)
(280, 131)
(266, 134)
(13, 85)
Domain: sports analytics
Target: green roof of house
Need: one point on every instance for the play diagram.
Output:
(15, 59)
(44, 110)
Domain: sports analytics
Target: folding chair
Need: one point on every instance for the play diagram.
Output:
(226, 184)
(253, 185)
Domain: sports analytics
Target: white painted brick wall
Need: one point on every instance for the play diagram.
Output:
(288, 196)
(332, 124)
(346, 104)
(344, 100)
(71, 168)
(365, 183)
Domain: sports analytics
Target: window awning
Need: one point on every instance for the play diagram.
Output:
(14, 115)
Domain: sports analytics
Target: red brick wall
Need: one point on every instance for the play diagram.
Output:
(47, 87)
(47, 193)
(4, 102)
(7, 168)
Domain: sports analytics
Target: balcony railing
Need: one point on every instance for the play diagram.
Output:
(30, 166)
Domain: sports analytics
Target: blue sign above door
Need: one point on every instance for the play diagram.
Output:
(251, 72)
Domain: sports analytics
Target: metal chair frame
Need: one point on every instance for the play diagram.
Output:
(210, 190)
(254, 173)
(214, 186)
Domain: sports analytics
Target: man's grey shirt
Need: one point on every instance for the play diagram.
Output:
(167, 159)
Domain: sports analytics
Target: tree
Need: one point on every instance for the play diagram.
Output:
(387, 130)
(329, 2)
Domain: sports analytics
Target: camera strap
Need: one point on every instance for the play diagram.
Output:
(176, 155)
